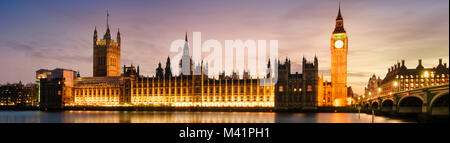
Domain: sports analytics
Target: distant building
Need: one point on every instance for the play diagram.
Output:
(350, 95)
(372, 87)
(18, 94)
(400, 78)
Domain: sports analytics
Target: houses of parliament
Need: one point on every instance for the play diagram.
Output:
(111, 87)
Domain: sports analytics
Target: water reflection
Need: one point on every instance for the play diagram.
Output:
(184, 117)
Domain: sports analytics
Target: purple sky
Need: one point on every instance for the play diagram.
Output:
(50, 34)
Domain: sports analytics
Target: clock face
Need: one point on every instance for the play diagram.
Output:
(338, 44)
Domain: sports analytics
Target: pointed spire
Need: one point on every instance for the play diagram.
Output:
(339, 17)
(186, 37)
(138, 70)
(95, 34)
(107, 35)
(107, 16)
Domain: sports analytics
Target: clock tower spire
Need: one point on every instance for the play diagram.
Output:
(338, 47)
(339, 28)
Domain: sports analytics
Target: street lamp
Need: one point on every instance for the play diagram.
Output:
(379, 90)
(426, 75)
(395, 86)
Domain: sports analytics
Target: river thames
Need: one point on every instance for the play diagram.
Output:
(186, 117)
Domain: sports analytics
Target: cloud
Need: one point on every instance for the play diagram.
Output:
(14, 45)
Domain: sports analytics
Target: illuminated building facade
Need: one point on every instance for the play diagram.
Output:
(334, 92)
(339, 48)
(324, 93)
(132, 89)
(98, 91)
(200, 91)
(193, 87)
(400, 78)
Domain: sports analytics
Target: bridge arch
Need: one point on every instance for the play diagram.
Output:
(410, 104)
(366, 106)
(374, 106)
(386, 105)
(439, 104)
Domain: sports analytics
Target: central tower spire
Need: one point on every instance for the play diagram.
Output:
(107, 15)
(107, 35)
(186, 62)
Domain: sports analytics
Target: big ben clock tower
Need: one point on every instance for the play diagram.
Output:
(339, 45)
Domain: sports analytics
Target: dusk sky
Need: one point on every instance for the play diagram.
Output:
(52, 34)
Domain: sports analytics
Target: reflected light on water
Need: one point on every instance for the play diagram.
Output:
(184, 117)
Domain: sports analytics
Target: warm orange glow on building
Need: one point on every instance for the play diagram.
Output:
(334, 93)
(400, 78)
(188, 91)
(339, 48)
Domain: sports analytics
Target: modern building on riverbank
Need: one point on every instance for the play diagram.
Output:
(55, 87)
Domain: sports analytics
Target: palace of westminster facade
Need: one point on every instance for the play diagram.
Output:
(110, 87)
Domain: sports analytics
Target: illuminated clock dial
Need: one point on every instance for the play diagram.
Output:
(338, 44)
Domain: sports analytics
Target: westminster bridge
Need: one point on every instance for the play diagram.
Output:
(429, 100)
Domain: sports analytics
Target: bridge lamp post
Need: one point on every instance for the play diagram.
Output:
(379, 90)
(395, 86)
(426, 74)
(360, 99)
